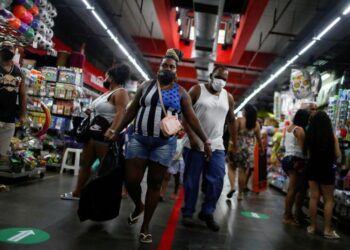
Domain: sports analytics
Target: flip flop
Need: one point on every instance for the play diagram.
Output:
(145, 238)
(132, 220)
(331, 236)
(69, 196)
(310, 230)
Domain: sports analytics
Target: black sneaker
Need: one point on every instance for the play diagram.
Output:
(230, 194)
(187, 222)
(209, 220)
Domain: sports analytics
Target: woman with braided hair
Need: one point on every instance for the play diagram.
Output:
(148, 145)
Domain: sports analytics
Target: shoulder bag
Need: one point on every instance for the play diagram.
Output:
(169, 125)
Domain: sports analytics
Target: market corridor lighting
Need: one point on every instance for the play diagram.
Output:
(115, 39)
(346, 11)
(328, 28)
(307, 47)
(179, 22)
(289, 62)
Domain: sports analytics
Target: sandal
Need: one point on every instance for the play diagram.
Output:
(69, 196)
(145, 238)
(310, 230)
(132, 220)
(230, 194)
(331, 236)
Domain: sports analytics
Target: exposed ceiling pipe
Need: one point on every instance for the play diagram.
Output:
(262, 41)
(207, 16)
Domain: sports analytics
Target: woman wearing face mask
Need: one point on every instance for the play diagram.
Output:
(110, 106)
(12, 88)
(148, 146)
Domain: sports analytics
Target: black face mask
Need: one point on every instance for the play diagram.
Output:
(166, 77)
(106, 84)
(6, 54)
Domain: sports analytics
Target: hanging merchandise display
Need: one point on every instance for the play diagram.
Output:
(300, 83)
(28, 23)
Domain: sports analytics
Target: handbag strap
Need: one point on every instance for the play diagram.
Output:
(161, 99)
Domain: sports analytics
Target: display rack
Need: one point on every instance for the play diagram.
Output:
(36, 171)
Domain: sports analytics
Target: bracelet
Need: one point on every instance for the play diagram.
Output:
(111, 130)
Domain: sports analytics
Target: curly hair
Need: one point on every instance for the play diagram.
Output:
(120, 74)
(174, 54)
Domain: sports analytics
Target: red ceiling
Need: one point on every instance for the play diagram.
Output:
(235, 57)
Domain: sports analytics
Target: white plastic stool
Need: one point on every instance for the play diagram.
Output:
(76, 164)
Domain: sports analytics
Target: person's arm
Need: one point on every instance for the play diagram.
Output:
(258, 137)
(193, 94)
(231, 120)
(120, 100)
(300, 135)
(131, 111)
(337, 148)
(192, 120)
(22, 101)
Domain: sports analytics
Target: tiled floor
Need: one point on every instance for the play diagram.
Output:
(36, 205)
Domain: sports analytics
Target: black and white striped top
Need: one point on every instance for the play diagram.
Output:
(147, 122)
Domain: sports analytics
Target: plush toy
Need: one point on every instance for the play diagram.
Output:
(300, 83)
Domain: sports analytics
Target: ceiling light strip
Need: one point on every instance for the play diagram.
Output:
(289, 62)
(116, 41)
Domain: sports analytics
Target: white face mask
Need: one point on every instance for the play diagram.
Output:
(218, 84)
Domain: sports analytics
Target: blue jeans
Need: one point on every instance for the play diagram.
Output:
(195, 162)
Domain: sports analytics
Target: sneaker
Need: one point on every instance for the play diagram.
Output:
(187, 221)
(230, 194)
(209, 220)
(331, 236)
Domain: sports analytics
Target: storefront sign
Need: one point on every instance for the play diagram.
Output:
(23, 236)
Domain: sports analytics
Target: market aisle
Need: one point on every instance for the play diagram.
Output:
(36, 205)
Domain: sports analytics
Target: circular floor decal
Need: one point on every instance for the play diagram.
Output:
(255, 215)
(23, 236)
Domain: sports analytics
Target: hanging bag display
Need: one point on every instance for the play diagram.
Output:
(169, 125)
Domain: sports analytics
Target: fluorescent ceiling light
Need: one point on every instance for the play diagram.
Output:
(98, 18)
(289, 62)
(328, 28)
(307, 47)
(116, 41)
(221, 36)
(346, 11)
(180, 32)
(325, 76)
(88, 6)
(177, 9)
(179, 22)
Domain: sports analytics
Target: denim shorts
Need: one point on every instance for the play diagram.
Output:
(156, 149)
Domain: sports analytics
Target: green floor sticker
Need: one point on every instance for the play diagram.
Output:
(23, 236)
(255, 215)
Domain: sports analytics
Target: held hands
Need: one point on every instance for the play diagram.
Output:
(194, 144)
(207, 149)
